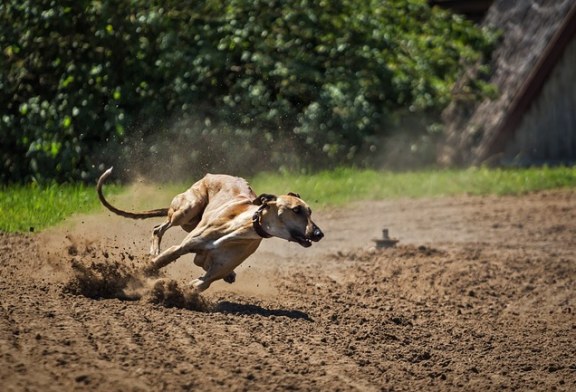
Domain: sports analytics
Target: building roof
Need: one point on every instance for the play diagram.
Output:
(534, 36)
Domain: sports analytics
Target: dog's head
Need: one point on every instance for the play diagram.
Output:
(289, 217)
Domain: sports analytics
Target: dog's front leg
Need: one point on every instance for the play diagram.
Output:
(169, 255)
(165, 258)
(173, 253)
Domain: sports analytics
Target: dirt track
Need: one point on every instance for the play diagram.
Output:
(479, 295)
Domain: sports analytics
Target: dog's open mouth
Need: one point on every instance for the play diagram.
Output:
(302, 240)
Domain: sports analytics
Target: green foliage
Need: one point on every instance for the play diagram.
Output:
(91, 81)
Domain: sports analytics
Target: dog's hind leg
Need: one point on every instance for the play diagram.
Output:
(157, 234)
(200, 284)
(203, 282)
(186, 211)
(204, 260)
(230, 278)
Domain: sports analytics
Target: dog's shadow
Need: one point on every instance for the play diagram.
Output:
(248, 309)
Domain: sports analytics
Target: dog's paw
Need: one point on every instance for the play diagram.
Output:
(154, 250)
(150, 270)
(195, 282)
(230, 278)
(199, 284)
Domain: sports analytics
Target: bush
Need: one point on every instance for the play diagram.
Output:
(86, 82)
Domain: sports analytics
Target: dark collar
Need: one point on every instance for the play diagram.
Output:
(256, 222)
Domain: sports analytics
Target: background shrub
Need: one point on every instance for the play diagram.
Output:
(185, 87)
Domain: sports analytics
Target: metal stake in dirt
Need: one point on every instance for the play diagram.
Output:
(385, 241)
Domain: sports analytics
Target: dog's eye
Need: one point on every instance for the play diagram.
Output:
(297, 209)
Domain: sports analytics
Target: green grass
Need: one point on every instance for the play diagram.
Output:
(346, 185)
(33, 208)
(23, 208)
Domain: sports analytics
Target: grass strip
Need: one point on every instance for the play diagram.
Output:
(28, 208)
(345, 185)
(33, 208)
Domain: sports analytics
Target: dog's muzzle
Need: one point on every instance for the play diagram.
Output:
(317, 234)
(306, 240)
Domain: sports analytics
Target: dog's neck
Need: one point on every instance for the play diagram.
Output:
(257, 224)
(267, 224)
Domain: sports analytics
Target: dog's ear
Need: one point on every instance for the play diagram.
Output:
(264, 198)
(294, 194)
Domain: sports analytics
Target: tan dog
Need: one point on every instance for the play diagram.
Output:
(226, 222)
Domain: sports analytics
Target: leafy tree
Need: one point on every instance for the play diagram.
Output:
(91, 81)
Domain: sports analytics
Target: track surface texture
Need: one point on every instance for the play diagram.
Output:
(479, 294)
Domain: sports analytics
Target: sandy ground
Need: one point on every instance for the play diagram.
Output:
(479, 294)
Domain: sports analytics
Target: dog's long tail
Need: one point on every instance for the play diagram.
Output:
(126, 214)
